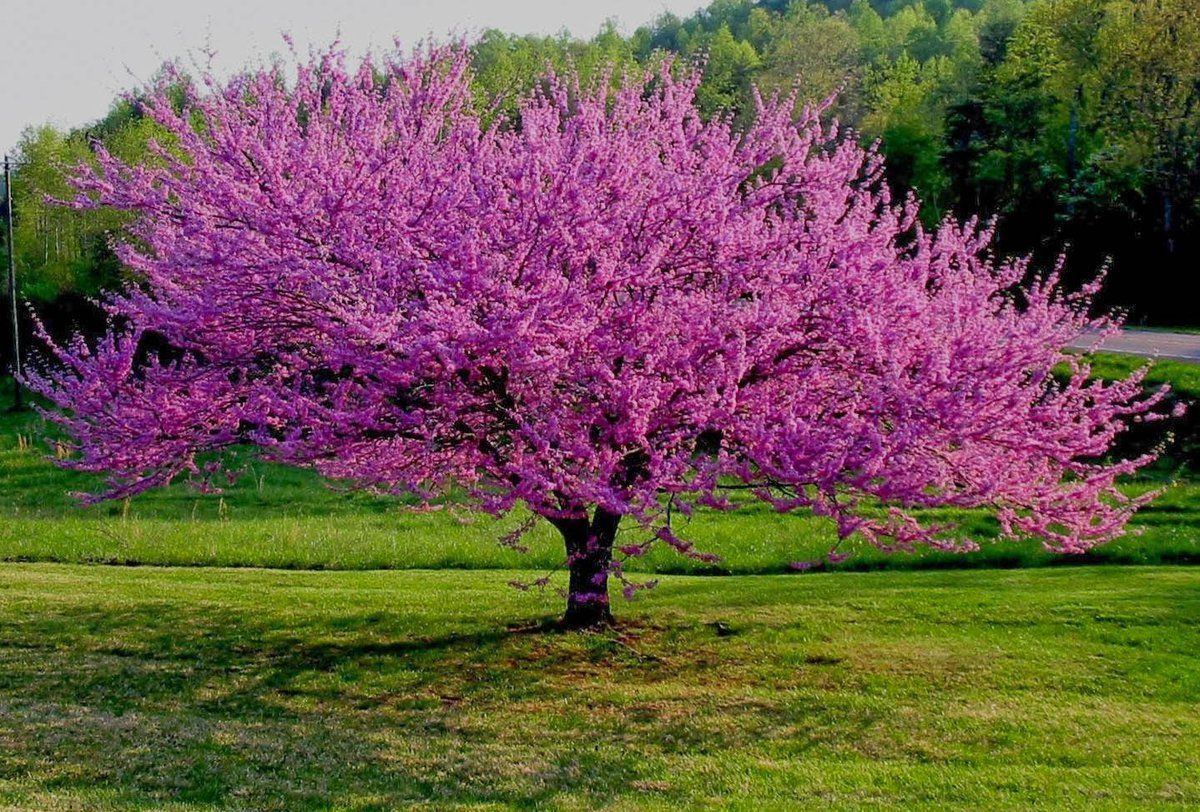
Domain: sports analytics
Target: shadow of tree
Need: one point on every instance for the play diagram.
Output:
(263, 690)
(212, 705)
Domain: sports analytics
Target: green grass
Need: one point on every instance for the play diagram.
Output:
(286, 518)
(202, 687)
(1183, 377)
(752, 541)
(190, 688)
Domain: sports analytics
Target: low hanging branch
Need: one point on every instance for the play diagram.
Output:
(597, 308)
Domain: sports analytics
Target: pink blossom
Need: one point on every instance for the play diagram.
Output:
(599, 305)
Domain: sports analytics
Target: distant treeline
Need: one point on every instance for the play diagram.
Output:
(1075, 122)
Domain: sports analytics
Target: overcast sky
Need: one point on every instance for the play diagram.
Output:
(63, 61)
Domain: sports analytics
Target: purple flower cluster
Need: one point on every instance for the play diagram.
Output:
(602, 304)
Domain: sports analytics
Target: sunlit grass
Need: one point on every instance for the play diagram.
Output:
(287, 519)
(139, 687)
(205, 687)
(280, 517)
(1183, 377)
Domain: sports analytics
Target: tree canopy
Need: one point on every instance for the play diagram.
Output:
(605, 305)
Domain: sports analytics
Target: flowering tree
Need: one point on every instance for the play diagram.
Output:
(605, 308)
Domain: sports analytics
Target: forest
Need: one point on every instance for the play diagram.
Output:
(1074, 124)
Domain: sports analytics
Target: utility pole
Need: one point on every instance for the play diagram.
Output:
(12, 287)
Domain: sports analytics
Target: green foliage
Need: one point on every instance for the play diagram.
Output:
(55, 248)
(60, 249)
(817, 54)
(1149, 113)
(729, 64)
(906, 103)
(507, 66)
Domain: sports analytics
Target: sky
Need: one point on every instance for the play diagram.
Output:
(64, 61)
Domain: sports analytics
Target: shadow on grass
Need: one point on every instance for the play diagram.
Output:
(151, 704)
(266, 691)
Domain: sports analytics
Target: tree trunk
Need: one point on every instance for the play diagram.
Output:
(589, 556)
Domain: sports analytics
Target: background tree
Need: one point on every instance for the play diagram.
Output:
(606, 307)
(65, 251)
(907, 111)
(730, 64)
(507, 66)
(1149, 117)
(1068, 160)
(817, 54)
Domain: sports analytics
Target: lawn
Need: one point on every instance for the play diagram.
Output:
(135, 687)
(285, 518)
(1183, 377)
(415, 672)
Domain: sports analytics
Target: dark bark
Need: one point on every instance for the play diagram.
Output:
(589, 556)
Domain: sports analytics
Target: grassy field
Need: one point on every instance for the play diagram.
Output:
(415, 673)
(1183, 377)
(284, 518)
(128, 687)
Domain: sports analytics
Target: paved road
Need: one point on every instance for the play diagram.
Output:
(1151, 344)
